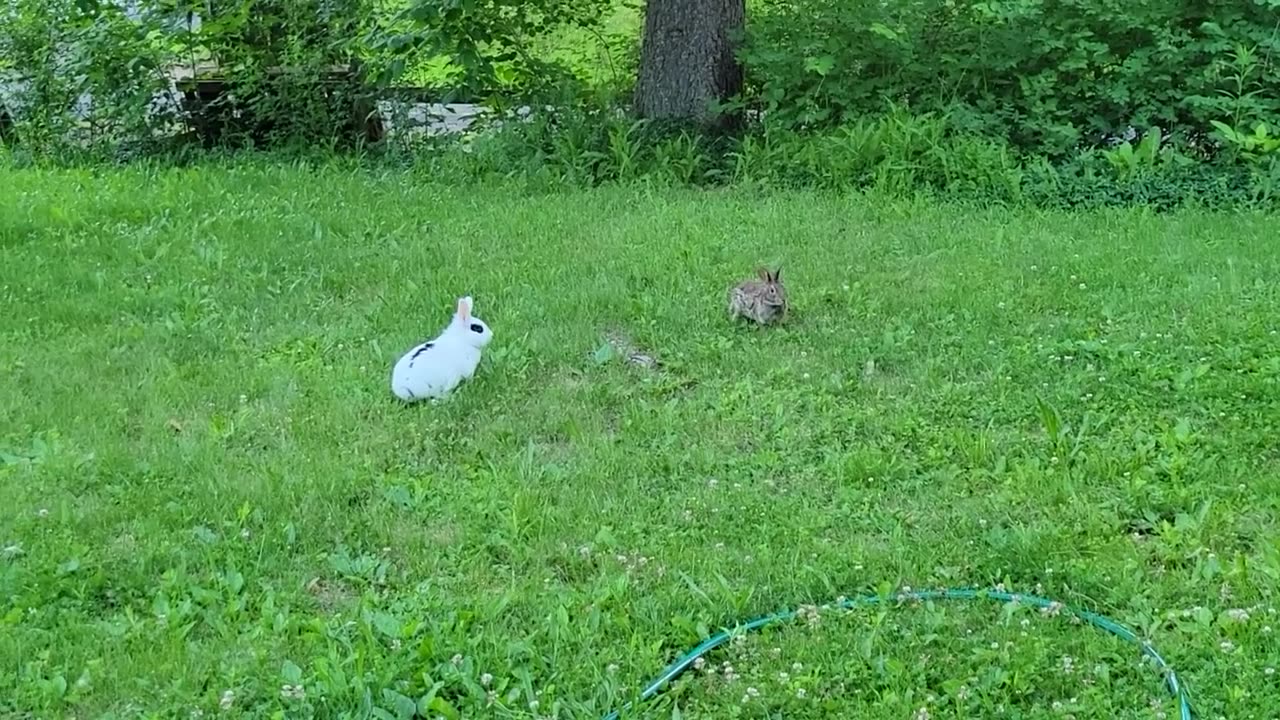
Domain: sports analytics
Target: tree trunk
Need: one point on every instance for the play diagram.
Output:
(687, 59)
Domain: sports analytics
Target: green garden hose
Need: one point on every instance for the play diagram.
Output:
(685, 661)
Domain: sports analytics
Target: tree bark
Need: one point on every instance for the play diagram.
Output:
(687, 60)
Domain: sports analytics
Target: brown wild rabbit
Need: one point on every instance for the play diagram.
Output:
(763, 301)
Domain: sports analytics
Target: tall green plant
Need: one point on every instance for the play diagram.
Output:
(1243, 105)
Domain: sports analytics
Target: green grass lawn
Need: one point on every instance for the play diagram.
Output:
(213, 505)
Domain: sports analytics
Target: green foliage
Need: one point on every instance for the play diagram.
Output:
(1073, 103)
(1104, 178)
(1244, 80)
(604, 55)
(277, 58)
(897, 154)
(1253, 146)
(1129, 161)
(486, 47)
(54, 54)
(1046, 75)
(273, 56)
(587, 147)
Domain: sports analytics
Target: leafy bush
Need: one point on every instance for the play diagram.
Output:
(1046, 75)
(82, 75)
(278, 59)
(95, 75)
(485, 48)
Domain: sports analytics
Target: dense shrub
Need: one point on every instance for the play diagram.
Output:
(90, 75)
(81, 74)
(277, 57)
(1046, 75)
(1088, 180)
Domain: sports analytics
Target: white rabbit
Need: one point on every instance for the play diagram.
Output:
(434, 368)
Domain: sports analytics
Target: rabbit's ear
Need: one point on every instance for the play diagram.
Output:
(464, 308)
(763, 272)
(776, 273)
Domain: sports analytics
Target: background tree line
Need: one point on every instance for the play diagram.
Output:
(1032, 81)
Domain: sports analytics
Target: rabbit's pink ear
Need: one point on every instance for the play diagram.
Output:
(464, 308)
